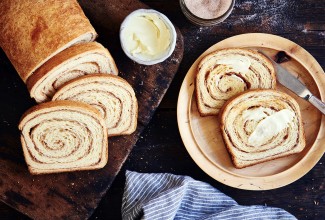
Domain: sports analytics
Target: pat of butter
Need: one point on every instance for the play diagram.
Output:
(146, 36)
(256, 114)
(239, 64)
(270, 126)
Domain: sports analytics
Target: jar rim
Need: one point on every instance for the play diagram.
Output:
(221, 17)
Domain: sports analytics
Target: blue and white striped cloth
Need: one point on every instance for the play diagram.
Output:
(168, 196)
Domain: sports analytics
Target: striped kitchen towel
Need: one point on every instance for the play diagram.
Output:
(167, 196)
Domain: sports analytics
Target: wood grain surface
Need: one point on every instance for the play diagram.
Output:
(160, 148)
(44, 196)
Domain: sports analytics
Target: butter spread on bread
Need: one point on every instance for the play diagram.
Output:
(261, 125)
(238, 64)
(270, 126)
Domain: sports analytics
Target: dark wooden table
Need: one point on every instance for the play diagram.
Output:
(160, 148)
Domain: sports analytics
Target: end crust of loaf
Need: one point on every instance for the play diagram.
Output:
(75, 61)
(49, 27)
(54, 124)
(289, 141)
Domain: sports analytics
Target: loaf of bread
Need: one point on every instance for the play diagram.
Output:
(225, 73)
(261, 125)
(111, 95)
(73, 62)
(31, 32)
(62, 136)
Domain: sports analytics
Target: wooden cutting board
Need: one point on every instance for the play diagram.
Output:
(75, 195)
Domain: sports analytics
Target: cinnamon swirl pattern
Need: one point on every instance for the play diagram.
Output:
(225, 73)
(63, 136)
(261, 125)
(76, 61)
(111, 95)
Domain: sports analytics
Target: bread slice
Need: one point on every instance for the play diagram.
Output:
(33, 32)
(75, 61)
(261, 125)
(63, 136)
(227, 72)
(113, 96)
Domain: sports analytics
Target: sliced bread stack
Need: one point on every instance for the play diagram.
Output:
(67, 134)
(51, 45)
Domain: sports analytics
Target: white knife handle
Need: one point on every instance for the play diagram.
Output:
(317, 103)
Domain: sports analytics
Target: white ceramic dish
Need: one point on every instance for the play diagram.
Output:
(168, 24)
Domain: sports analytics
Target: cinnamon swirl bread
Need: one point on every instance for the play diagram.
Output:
(261, 125)
(225, 73)
(73, 62)
(63, 136)
(31, 32)
(111, 95)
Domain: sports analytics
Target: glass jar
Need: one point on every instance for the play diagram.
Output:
(195, 19)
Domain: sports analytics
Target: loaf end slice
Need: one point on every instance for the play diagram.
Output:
(75, 61)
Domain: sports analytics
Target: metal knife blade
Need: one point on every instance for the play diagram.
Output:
(295, 85)
(291, 82)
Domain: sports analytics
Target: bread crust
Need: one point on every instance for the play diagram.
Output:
(47, 106)
(73, 52)
(71, 105)
(232, 102)
(86, 78)
(31, 33)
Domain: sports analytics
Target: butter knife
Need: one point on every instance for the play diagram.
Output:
(295, 85)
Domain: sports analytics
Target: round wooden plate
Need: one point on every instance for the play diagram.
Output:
(202, 137)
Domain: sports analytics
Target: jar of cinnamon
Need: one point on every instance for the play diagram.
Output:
(206, 12)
